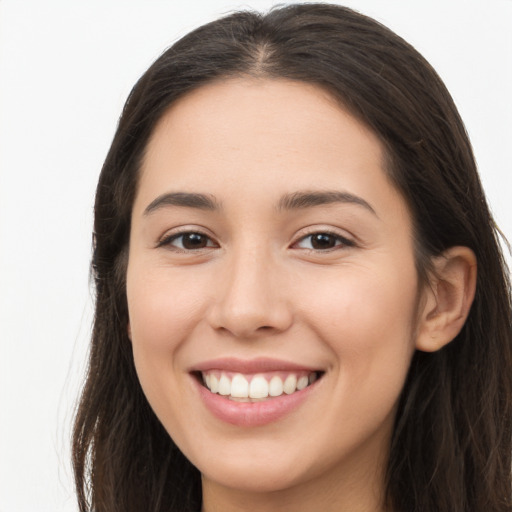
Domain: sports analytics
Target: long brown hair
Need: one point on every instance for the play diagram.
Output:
(452, 443)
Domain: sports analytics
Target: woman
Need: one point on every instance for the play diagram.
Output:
(289, 315)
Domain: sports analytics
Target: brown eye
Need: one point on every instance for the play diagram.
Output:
(188, 241)
(194, 241)
(322, 241)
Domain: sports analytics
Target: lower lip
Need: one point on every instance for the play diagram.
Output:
(252, 414)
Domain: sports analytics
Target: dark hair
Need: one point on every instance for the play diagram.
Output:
(452, 442)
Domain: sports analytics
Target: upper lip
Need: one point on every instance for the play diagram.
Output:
(259, 365)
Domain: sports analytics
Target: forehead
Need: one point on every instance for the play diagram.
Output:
(258, 116)
(239, 135)
(257, 108)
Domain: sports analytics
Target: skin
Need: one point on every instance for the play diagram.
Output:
(258, 288)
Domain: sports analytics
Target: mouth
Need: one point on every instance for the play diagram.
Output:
(256, 387)
(257, 392)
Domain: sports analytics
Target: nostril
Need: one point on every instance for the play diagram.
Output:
(244, 330)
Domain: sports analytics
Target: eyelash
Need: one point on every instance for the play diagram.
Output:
(167, 241)
(339, 241)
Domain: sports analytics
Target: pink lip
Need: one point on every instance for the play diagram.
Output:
(255, 414)
(251, 414)
(260, 365)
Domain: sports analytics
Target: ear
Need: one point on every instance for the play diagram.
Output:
(447, 298)
(129, 331)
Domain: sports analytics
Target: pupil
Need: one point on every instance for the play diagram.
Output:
(323, 241)
(194, 241)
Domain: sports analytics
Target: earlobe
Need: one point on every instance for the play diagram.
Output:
(447, 298)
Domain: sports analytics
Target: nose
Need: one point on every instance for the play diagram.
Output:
(252, 299)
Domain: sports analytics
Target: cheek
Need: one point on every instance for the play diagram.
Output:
(367, 302)
(163, 307)
(368, 320)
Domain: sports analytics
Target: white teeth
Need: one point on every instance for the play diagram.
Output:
(214, 384)
(224, 385)
(239, 386)
(259, 387)
(275, 387)
(302, 382)
(290, 384)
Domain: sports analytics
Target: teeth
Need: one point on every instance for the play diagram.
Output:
(242, 389)
(302, 382)
(290, 384)
(259, 387)
(214, 384)
(239, 387)
(224, 385)
(275, 387)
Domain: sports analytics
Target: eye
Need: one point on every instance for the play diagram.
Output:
(188, 241)
(322, 241)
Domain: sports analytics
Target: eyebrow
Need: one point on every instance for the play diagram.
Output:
(292, 201)
(308, 199)
(184, 199)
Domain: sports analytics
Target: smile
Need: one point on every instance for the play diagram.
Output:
(256, 387)
(254, 393)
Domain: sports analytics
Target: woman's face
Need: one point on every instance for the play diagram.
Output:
(269, 250)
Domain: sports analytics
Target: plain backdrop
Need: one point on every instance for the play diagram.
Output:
(65, 70)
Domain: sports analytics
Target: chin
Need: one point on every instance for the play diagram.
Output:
(254, 476)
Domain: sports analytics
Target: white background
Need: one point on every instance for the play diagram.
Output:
(65, 70)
